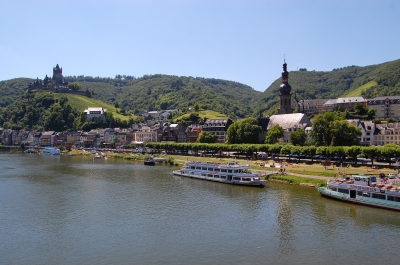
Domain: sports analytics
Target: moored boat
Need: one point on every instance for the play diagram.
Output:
(229, 173)
(149, 162)
(364, 190)
(30, 151)
(51, 151)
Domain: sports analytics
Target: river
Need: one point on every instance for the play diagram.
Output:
(76, 210)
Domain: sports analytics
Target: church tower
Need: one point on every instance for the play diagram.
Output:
(284, 93)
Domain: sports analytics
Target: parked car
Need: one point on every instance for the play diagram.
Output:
(391, 176)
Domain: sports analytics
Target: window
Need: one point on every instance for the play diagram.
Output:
(343, 191)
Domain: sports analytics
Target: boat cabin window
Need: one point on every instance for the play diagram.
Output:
(192, 167)
(393, 198)
(203, 168)
(379, 196)
(229, 171)
(366, 194)
(199, 168)
(223, 170)
(345, 191)
(333, 188)
(359, 193)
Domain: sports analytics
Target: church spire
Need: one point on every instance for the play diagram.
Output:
(284, 92)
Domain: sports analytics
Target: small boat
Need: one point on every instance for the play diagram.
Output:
(364, 190)
(30, 151)
(229, 173)
(149, 162)
(51, 151)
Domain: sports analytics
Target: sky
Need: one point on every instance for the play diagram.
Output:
(244, 41)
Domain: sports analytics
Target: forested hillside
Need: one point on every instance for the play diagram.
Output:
(369, 81)
(162, 92)
(233, 99)
(58, 112)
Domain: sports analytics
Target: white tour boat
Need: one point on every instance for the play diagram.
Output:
(50, 151)
(365, 190)
(230, 173)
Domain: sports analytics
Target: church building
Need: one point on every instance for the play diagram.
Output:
(288, 120)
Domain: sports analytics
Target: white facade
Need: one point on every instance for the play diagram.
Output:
(95, 114)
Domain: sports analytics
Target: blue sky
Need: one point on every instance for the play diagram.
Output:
(243, 41)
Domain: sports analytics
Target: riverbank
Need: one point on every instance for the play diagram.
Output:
(306, 174)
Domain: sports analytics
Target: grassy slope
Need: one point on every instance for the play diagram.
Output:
(357, 92)
(203, 114)
(81, 103)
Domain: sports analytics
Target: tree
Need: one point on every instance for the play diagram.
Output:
(274, 134)
(353, 151)
(54, 121)
(329, 128)
(371, 114)
(343, 133)
(207, 137)
(245, 131)
(74, 86)
(360, 109)
(370, 152)
(298, 137)
(196, 107)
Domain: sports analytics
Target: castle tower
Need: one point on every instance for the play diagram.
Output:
(285, 96)
(57, 75)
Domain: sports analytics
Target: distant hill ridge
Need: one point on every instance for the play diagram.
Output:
(233, 99)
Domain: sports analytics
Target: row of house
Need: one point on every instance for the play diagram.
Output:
(385, 107)
(139, 134)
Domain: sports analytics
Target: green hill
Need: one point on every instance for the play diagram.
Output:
(162, 92)
(360, 90)
(230, 99)
(80, 103)
(369, 81)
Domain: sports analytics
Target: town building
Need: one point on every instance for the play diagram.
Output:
(385, 107)
(312, 106)
(145, 134)
(193, 132)
(217, 127)
(344, 103)
(95, 114)
(289, 123)
(387, 134)
(367, 129)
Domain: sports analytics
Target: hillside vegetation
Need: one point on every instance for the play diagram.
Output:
(369, 81)
(230, 99)
(162, 92)
(80, 103)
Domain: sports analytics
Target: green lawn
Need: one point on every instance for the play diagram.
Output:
(203, 114)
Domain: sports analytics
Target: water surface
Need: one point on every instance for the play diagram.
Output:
(76, 210)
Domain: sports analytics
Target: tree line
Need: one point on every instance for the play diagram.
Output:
(344, 153)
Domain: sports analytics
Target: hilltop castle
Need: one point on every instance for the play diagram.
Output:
(56, 84)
